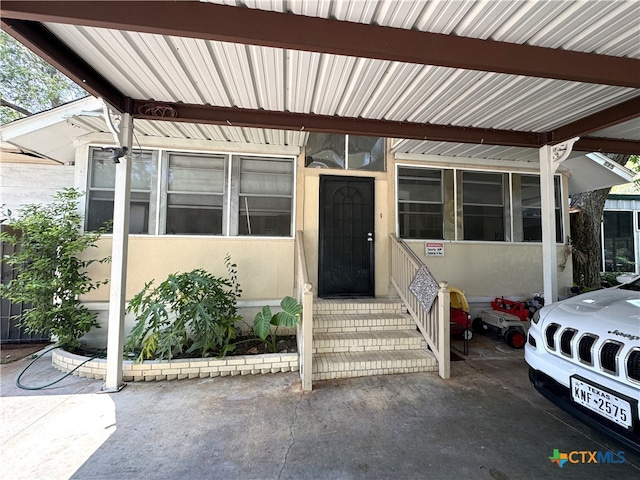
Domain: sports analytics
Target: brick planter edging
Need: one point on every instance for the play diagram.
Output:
(152, 370)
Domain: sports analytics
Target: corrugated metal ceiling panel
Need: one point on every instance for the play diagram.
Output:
(202, 72)
(628, 130)
(465, 150)
(218, 133)
(599, 26)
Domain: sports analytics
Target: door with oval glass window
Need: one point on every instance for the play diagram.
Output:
(346, 237)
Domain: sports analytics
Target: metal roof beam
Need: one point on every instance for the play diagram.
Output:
(607, 145)
(46, 45)
(240, 117)
(179, 112)
(284, 30)
(620, 113)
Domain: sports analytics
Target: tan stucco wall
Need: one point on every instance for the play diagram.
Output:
(491, 269)
(265, 266)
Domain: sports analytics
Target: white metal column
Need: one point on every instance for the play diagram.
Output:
(550, 159)
(119, 250)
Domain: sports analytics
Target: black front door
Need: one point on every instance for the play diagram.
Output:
(346, 237)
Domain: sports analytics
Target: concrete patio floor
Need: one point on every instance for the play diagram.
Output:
(486, 422)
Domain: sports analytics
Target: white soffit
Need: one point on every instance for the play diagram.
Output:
(33, 123)
(593, 171)
(9, 153)
(49, 133)
(53, 141)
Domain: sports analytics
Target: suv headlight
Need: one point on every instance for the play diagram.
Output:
(536, 317)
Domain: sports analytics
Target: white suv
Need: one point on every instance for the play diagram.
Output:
(584, 356)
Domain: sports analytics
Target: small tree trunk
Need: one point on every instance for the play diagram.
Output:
(585, 232)
(585, 237)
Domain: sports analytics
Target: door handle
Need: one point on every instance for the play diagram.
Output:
(370, 237)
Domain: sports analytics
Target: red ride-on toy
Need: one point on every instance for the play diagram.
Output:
(508, 319)
(461, 321)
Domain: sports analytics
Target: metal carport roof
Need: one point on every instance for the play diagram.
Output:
(520, 74)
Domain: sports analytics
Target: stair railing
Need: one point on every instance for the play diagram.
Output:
(304, 333)
(434, 324)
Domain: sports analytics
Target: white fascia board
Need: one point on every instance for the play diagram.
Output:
(28, 125)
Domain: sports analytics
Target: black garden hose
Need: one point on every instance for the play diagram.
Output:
(40, 387)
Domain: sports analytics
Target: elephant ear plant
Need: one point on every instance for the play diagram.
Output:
(189, 314)
(288, 317)
(52, 268)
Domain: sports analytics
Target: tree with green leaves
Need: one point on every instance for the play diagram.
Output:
(28, 84)
(52, 267)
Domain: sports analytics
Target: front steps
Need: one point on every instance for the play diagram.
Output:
(362, 337)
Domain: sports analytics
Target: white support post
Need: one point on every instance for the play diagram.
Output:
(550, 159)
(307, 338)
(119, 250)
(444, 331)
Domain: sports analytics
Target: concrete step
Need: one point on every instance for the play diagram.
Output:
(324, 323)
(357, 306)
(360, 364)
(368, 341)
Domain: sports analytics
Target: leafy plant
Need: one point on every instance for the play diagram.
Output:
(51, 275)
(191, 313)
(264, 319)
(610, 279)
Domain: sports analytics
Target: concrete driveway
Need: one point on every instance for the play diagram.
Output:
(486, 422)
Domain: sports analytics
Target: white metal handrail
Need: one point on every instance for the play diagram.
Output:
(305, 327)
(434, 325)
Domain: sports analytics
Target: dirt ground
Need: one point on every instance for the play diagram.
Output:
(11, 352)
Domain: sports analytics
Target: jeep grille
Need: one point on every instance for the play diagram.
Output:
(550, 333)
(633, 365)
(565, 341)
(609, 356)
(585, 348)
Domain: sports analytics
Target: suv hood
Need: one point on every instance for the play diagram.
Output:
(612, 307)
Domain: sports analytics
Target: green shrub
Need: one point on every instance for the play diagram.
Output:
(189, 314)
(51, 275)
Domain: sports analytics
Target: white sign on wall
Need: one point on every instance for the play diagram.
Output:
(434, 249)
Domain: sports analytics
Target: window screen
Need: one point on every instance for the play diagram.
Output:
(483, 206)
(420, 203)
(265, 197)
(102, 181)
(195, 194)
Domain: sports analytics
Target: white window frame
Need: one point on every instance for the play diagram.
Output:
(456, 196)
(442, 197)
(346, 153)
(158, 199)
(151, 224)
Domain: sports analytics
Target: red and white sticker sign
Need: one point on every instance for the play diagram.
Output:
(434, 249)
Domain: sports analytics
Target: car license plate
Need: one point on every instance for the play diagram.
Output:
(604, 403)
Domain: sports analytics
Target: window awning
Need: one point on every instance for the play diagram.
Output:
(593, 171)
